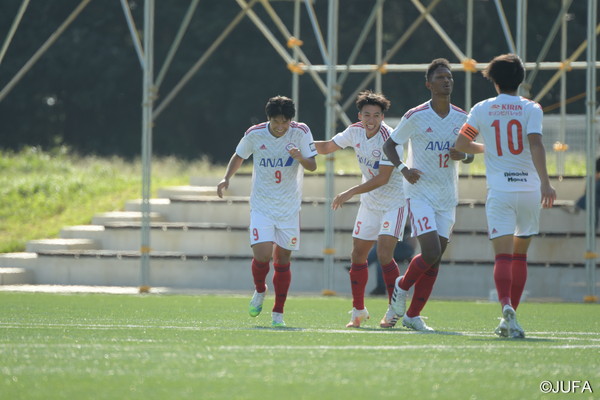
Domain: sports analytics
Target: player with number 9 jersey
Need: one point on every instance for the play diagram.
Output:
(276, 176)
(282, 149)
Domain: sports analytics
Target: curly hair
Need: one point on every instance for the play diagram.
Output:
(370, 97)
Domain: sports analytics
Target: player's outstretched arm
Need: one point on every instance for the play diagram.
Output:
(326, 146)
(234, 164)
(389, 148)
(538, 156)
(382, 178)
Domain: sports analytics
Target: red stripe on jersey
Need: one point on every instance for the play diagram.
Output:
(358, 124)
(384, 132)
(300, 125)
(399, 218)
(256, 127)
(469, 131)
(416, 109)
(458, 109)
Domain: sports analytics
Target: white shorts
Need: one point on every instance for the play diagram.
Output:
(513, 213)
(370, 224)
(423, 218)
(285, 233)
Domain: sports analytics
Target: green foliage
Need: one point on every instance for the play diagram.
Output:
(42, 192)
(189, 347)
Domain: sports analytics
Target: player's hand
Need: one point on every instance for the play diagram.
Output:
(548, 196)
(224, 184)
(340, 199)
(295, 153)
(456, 155)
(412, 175)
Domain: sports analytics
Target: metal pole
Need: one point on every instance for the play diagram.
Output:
(590, 256)
(378, 47)
(505, 28)
(49, 42)
(171, 54)
(296, 77)
(522, 38)
(147, 105)
(469, 51)
(562, 133)
(330, 128)
(13, 28)
(133, 32)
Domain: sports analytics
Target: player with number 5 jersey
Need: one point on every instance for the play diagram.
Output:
(517, 179)
(281, 150)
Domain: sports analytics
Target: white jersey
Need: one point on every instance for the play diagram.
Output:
(429, 140)
(276, 176)
(504, 122)
(369, 154)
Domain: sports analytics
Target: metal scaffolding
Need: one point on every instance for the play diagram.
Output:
(336, 75)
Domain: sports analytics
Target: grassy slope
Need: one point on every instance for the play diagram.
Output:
(180, 347)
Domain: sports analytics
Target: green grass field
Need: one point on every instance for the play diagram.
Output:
(101, 346)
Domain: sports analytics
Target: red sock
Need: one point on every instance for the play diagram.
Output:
(281, 283)
(416, 268)
(359, 275)
(423, 289)
(390, 273)
(503, 277)
(519, 277)
(259, 273)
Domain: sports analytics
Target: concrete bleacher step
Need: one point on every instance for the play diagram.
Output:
(470, 213)
(196, 271)
(15, 276)
(469, 186)
(185, 191)
(233, 240)
(124, 216)
(35, 246)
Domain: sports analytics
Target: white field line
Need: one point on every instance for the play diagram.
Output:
(569, 336)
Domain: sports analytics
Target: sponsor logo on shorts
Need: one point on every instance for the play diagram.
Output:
(294, 240)
(386, 225)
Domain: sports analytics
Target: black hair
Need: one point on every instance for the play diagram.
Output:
(280, 105)
(435, 64)
(506, 71)
(369, 97)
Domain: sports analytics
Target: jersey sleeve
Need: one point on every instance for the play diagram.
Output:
(343, 139)
(403, 131)
(307, 146)
(244, 148)
(534, 124)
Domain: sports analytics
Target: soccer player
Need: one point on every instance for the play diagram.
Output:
(431, 190)
(381, 216)
(517, 179)
(281, 150)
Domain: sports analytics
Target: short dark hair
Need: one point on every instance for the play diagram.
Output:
(506, 71)
(280, 105)
(435, 64)
(369, 97)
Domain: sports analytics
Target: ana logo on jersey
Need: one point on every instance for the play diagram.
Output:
(368, 162)
(376, 153)
(438, 146)
(275, 162)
